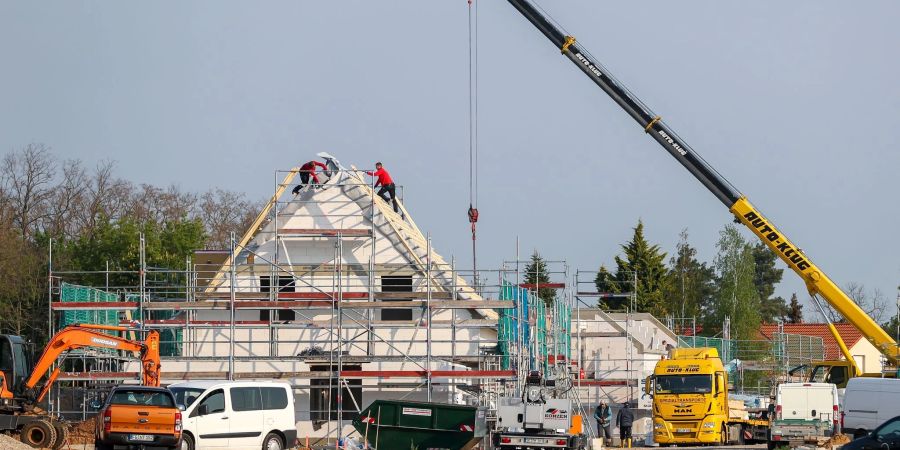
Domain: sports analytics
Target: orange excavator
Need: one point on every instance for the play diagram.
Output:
(21, 391)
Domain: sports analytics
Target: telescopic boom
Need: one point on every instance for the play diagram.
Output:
(816, 280)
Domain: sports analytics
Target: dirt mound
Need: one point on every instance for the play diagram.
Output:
(81, 432)
(838, 441)
(11, 443)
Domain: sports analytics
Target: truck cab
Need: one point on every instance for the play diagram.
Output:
(690, 398)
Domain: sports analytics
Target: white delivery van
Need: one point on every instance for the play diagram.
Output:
(245, 415)
(869, 402)
(803, 412)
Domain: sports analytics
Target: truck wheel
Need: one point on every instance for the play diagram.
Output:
(272, 442)
(723, 436)
(38, 434)
(771, 445)
(101, 446)
(62, 435)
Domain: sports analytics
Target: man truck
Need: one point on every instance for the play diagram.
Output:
(691, 402)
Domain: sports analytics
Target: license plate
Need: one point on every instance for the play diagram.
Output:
(534, 441)
(683, 430)
(140, 437)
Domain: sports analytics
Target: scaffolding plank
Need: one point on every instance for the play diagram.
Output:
(542, 285)
(312, 232)
(603, 294)
(318, 295)
(96, 376)
(92, 306)
(302, 324)
(606, 334)
(591, 383)
(307, 304)
(425, 373)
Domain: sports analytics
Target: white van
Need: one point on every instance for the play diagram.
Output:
(802, 411)
(246, 415)
(869, 402)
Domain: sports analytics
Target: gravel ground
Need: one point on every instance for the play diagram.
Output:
(10, 443)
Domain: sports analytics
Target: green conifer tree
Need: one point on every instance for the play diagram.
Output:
(644, 263)
(536, 273)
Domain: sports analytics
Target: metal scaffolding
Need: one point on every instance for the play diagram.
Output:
(337, 327)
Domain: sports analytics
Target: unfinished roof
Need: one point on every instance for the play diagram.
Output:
(849, 334)
(300, 234)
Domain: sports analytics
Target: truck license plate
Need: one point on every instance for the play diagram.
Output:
(534, 440)
(141, 437)
(683, 430)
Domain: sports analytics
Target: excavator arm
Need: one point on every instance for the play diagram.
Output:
(816, 280)
(90, 336)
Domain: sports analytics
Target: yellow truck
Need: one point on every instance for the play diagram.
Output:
(691, 402)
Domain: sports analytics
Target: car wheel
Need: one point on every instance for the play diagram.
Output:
(39, 434)
(187, 442)
(272, 442)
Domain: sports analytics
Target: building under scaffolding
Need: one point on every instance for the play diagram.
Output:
(334, 291)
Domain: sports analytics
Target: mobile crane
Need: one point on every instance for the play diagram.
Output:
(21, 391)
(817, 283)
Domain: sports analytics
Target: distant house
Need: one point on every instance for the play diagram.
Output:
(867, 357)
(617, 351)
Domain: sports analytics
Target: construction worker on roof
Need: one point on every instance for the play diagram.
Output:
(307, 173)
(383, 179)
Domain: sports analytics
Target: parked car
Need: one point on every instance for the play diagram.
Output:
(884, 437)
(138, 416)
(869, 402)
(803, 412)
(238, 415)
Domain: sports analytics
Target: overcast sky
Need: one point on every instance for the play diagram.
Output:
(796, 103)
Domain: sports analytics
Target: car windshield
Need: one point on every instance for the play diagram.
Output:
(142, 397)
(684, 384)
(186, 396)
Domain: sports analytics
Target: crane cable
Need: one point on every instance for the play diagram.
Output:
(473, 127)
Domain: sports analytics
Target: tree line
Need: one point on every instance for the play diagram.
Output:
(738, 284)
(94, 217)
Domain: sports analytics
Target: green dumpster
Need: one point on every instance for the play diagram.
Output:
(403, 425)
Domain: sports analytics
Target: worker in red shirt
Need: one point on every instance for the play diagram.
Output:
(307, 173)
(387, 185)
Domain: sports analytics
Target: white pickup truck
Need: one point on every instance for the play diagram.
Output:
(803, 413)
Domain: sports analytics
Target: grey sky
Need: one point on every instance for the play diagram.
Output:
(794, 102)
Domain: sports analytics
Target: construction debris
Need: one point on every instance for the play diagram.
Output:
(82, 432)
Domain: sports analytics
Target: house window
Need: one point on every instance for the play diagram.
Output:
(394, 283)
(323, 395)
(285, 284)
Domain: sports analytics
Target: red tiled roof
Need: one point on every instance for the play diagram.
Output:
(849, 334)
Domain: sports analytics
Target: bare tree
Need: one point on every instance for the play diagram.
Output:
(224, 212)
(105, 197)
(68, 197)
(28, 186)
(874, 303)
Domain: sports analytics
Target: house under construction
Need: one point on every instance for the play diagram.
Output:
(335, 292)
